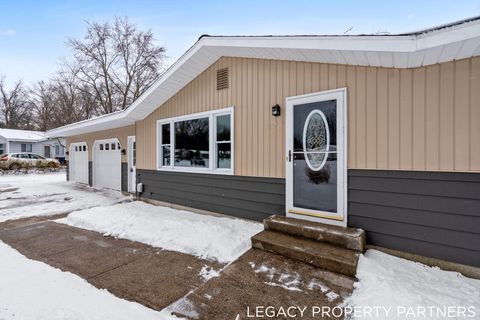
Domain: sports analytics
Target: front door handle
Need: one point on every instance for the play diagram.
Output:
(131, 169)
(289, 155)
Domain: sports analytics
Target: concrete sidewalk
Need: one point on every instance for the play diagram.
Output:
(130, 270)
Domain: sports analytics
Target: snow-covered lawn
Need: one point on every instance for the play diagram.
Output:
(33, 290)
(26, 195)
(220, 238)
(412, 290)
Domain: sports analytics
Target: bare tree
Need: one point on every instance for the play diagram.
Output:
(116, 63)
(42, 97)
(111, 67)
(15, 107)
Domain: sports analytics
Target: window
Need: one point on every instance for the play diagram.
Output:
(192, 143)
(107, 146)
(2, 148)
(84, 148)
(223, 142)
(165, 144)
(101, 146)
(35, 156)
(26, 147)
(134, 160)
(113, 146)
(199, 142)
(76, 148)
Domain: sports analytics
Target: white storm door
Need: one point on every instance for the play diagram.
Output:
(316, 170)
(132, 162)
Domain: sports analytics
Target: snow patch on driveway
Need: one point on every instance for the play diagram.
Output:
(220, 238)
(34, 290)
(26, 195)
(388, 281)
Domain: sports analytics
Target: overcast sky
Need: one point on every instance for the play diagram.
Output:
(33, 33)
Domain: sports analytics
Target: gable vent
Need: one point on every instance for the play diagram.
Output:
(222, 79)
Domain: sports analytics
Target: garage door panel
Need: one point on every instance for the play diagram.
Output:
(107, 164)
(78, 164)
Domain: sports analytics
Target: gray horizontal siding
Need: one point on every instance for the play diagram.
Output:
(428, 213)
(245, 197)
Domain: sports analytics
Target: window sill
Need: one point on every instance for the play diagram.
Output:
(196, 170)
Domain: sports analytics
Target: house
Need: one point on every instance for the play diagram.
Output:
(378, 132)
(12, 140)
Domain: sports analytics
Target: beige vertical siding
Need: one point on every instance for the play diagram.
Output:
(120, 133)
(399, 119)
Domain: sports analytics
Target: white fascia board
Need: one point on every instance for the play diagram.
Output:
(208, 49)
(448, 35)
(350, 43)
(114, 120)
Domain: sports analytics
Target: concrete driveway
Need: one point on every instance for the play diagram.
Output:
(180, 282)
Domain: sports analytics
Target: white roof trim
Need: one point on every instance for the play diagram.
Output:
(456, 41)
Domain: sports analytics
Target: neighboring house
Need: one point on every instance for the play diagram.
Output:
(12, 140)
(379, 132)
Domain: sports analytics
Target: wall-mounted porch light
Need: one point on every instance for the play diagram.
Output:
(124, 152)
(276, 110)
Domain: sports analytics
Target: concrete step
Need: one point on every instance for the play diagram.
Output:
(319, 254)
(348, 238)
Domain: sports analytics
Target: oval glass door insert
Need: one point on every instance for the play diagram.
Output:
(316, 140)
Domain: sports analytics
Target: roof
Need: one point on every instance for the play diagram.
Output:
(454, 41)
(22, 135)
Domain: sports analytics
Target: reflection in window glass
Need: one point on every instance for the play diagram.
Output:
(166, 133)
(224, 155)
(192, 143)
(166, 155)
(134, 154)
(224, 152)
(165, 146)
(223, 128)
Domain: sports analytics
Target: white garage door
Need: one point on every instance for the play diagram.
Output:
(78, 163)
(107, 164)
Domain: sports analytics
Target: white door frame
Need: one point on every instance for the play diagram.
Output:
(339, 219)
(131, 174)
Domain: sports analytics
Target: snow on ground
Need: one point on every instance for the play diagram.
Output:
(34, 290)
(42, 194)
(220, 238)
(412, 290)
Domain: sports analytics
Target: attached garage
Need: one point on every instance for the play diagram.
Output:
(78, 165)
(107, 164)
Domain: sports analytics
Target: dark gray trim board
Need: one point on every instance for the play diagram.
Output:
(434, 214)
(68, 171)
(245, 197)
(124, 182)
(90, 173)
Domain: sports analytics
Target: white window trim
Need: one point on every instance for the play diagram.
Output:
(212, 169)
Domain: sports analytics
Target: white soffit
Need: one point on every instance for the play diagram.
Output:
(451, 42)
